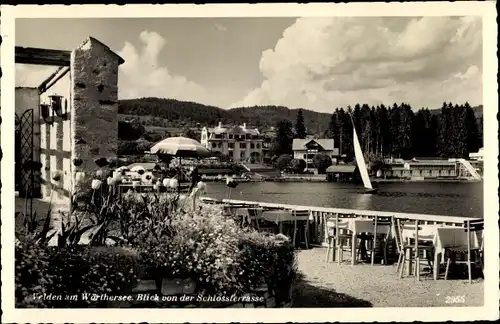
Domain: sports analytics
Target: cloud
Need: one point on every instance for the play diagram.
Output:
(33, 75)
(220, 27)
(322, 63)
(140, 76)
(143, 76)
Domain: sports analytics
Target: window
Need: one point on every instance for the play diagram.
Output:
(214, 145)
(257, 145)
(243, 145)
(230, 145)
(252, 145)
(242, 155)
(220, 145)
(231, 136)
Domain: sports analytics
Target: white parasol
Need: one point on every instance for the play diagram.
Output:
(138, 168)
(180, 147)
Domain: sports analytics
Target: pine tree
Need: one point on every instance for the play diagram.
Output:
(394, 130)
(405, 131)
(284, 138)
(300, 129)
(419, 132)
(433, 136)
(347, 138)
(383, 117)
(365, 132)
(341, 118)
(443, 147)
(334, 129)
(460, 131)
(480, 132)
(473, 133)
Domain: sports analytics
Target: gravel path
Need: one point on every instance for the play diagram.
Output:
(330, 285)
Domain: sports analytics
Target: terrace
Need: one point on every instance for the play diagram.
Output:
(333, 285)
(330, 284)
(359, 282)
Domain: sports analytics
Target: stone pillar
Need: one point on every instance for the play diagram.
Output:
(94, 95)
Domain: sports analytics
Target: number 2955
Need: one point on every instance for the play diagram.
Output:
(455, 299)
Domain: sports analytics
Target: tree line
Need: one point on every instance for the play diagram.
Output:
(180, 114)
(397, 131)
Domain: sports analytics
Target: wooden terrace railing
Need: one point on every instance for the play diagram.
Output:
(321, 214)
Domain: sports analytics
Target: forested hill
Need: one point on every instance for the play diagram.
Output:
(190, 113)
(185, 113)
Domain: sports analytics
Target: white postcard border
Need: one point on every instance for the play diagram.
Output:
(489, 311)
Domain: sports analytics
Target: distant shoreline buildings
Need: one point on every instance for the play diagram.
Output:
(250, 146)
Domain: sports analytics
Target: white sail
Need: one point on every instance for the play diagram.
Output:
(360, 160)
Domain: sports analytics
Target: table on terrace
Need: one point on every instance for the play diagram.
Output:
(442, 237)
(357, 226)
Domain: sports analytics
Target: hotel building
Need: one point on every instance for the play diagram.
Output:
(239, 143)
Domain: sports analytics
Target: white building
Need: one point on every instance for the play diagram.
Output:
(306, 149)
(238, 142)
(479, 155)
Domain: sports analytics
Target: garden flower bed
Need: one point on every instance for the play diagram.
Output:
(156, 250)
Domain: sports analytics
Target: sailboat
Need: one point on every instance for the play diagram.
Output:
(360, 160)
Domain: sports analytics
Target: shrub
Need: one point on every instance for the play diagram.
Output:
(283, 162)
(238, 169)
(202, 246)
(298, 165)
(214, 251)
(321, 162)
(31, 273)
(268, 258)
(72, 272)
(157, 236)
(130, 131)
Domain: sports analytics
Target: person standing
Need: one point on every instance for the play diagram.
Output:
(195, 178)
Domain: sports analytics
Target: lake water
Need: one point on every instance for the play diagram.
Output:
(438, 198)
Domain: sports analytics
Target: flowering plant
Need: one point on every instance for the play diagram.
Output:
(170, 238)
(220, 256)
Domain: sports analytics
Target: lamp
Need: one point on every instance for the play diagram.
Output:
(56, 105)
(45, 111)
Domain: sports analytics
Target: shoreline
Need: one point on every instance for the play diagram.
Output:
(426, 180)
(317, 179)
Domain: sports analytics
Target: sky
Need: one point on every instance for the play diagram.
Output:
(312, 63)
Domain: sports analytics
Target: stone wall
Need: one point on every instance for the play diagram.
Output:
(94, 94)
(181, 293)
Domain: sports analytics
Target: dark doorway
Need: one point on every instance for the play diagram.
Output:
(24, 176)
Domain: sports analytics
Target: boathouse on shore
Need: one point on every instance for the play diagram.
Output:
(341, 173)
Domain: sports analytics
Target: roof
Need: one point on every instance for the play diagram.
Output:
(398, 169)
(394, 161)
(258, 167)
(300, 144)
(234, 130)
(91, 39)
(341, 168)
(431, 162)
(146, 165)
